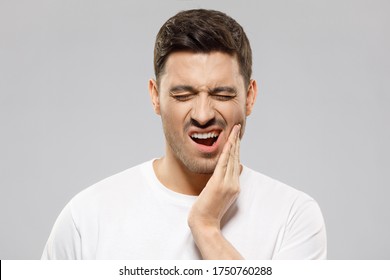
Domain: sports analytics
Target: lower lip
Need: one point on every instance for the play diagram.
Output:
(208, 149)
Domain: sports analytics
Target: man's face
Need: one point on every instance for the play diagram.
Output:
(201, 96)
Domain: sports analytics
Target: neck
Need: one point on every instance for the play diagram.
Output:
(176, 177)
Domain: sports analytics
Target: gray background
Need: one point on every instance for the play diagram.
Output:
(74, 108)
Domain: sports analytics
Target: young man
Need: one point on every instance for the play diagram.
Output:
(198, 201)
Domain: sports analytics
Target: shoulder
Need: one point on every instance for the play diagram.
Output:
(78, 227)
(112, 189)
(300, 220)
(257, 183)
(279, 200)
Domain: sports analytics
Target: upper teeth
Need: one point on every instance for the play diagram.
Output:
(204, 135)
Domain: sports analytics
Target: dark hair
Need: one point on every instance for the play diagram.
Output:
(203, 31)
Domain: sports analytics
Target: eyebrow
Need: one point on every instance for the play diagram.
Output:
(187, 88)
(181, 88)
(227, 89)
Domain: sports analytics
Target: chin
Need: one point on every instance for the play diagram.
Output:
(201, 166)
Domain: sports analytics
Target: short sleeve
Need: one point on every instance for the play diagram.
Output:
(64, 241)
(305, 233)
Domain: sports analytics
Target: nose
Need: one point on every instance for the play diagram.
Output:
(202, 110)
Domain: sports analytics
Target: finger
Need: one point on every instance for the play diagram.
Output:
(233, 156)
(223, 160)
(237, 167)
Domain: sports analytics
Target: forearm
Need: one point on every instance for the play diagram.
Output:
(213, 245)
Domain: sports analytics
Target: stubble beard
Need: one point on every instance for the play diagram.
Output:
(198, 165)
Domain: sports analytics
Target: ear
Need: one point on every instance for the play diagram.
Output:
(251, 96)
(154, 96)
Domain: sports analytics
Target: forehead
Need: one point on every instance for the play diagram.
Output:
(202, 69)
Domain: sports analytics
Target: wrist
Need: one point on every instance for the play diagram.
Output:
(203, 225)
(212, 244)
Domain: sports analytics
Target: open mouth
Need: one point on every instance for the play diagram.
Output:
(206, 139)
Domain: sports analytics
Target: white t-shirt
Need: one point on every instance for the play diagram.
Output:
(131, 215)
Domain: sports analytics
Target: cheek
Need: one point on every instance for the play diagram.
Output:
(174, 115)
(233, 113)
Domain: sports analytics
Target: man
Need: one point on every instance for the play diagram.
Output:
(198, 201)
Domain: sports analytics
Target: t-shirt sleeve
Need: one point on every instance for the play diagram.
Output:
(305, 233)
(64, 241)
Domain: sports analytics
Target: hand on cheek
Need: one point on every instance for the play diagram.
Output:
(221, 190)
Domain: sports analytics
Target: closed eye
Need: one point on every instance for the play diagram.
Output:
(182, 97)
(223, 93)
(222, 97)
(182, 92)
